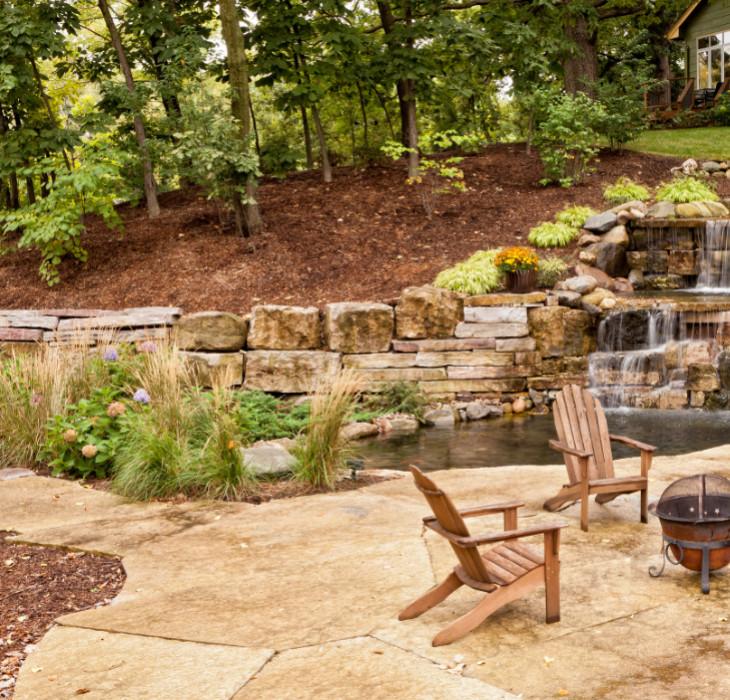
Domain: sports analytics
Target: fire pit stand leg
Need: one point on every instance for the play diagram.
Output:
(704, 547)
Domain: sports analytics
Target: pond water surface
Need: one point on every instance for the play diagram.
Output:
(524, 440)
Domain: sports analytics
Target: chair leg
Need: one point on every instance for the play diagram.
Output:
(432, 598)
(493, 601)
(552, 577)
(566, 495)
(645, 504)
(604, 498)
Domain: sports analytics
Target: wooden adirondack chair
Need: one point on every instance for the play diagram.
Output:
(505, 573)
(585, 443)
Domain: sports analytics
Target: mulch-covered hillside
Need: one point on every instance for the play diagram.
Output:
(363, 237)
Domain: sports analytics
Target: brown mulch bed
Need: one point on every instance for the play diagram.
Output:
(37, 585)
(363, 237)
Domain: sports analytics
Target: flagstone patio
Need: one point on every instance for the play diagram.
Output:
(299, 598)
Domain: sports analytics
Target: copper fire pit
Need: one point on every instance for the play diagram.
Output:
(695, 517)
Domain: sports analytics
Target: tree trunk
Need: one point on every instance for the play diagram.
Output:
(255, 127)
(13, 199)
(406, 87)
(364, 116)
(387, 114)
(307, 139)
(30, 189)
(150, 186)
(581, 71)
(326, 170)
(240, 102)
(530, 128)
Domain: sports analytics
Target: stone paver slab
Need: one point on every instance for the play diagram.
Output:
(127, 667)
(361, 669)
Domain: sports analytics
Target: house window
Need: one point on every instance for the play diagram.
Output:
(713, 59)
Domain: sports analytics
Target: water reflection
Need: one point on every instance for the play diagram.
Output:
(524, 440)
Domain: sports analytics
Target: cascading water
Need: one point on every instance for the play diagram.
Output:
(714, 258)
(631, 358)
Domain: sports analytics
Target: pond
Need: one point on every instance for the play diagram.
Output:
(524, 440)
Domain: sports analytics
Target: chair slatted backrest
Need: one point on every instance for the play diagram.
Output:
(450, 520)
(581, 424)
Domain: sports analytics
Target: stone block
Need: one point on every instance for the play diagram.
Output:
(447, 345)
(569, 299)
(560, 331)
(495, 314)
(288, 371)
(618, 235)
(655, 261)
(525, 344)
(563, 365)
(27, 335)
(428, 312)
(690, 210)
(672, 400)
(209, 330)
(359, 430)
(597, 296)
(697, 399)
(683, 262)
(505, 299)
(440, 416)
(215, 368)
(723, 369)
(664, 282)
(22, 319)
(664, 239)
(662, 210)
(380, 360)
(351, 327)
(610, 258)
(723, 335)
(492, 330)
(487, 386)
(407, 374)
(284, 328)
(694, 352)
(477, 358)
(530, 358)
(557, 381)
(489, 372)
(123, 320)
(702, 376)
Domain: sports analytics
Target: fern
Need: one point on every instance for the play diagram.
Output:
(478, 275)
(623, 191)
(548, 235)
(686, 189)
(574, 216)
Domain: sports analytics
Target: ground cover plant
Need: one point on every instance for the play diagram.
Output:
(478, 275)
(551, 270)
(686, 189)
(625, 190)
(550, 235)
(574, 216)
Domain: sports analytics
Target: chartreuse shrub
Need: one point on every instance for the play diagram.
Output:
(574, 216)
(550, 270)
(625, 190)
(324, 451)
(686, 189)
(549, 235)
(478, 275)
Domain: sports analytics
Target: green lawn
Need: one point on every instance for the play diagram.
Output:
(708, 143)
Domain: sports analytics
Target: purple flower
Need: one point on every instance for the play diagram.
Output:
(111, 354)
(148, 346)
(141, 396)
(37, 399)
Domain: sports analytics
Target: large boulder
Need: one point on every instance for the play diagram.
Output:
(610, 258)
(600, 223)
(215, 368)
(284, 328)
(702, 376)
(428, 312)
(210, 330)
(597, 296)
(691, 210)
(716, 208)
(617, 235)
(560, 331)
(288, 371)
(567, 298)
(602, 279)
(352, 327)
(723, 368)
(662, 210)
(583, 284)
(628, 206)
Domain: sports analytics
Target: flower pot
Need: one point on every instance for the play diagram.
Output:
(522, 281)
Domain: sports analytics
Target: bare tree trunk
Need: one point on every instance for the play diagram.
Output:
(326, 170)
(240, 101)
(364, 116)
(581, 71)
(307, 139)
(150, 186)
(530, 129)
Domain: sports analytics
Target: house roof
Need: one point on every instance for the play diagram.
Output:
(673, 33)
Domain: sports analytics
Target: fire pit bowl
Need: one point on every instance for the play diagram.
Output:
(695, 516)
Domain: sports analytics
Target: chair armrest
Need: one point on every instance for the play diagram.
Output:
(486, 510)
(632, 443)
(569, 450)
(511, 535)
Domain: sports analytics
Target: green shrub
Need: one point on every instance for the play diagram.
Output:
(624, 191)
(478, 275)
(549, 235)
(393, 397)
(323, 453)
(264, 417)
(686, 189)
(574, 216)
(85, 439)
(279, 159)
(550, 270)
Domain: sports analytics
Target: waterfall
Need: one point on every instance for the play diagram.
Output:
(715, 256)
(631, 359)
